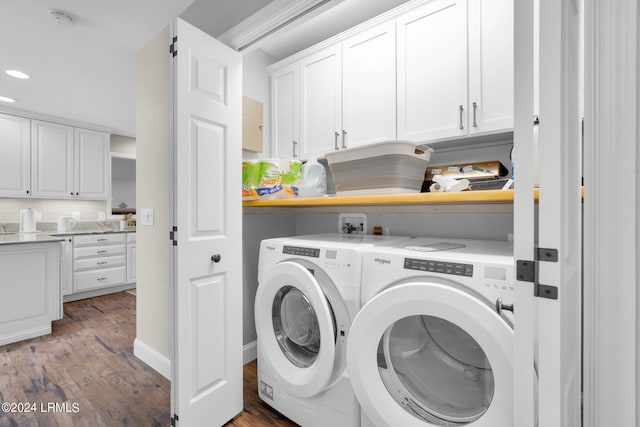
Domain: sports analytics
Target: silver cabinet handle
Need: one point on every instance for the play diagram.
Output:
(501, 307)
(101, 252)
(294, 149)
(344, 135)
(102, 278)
(475, 109)
(102, 240)
(102, 263)
(461, 111)
(335, 143)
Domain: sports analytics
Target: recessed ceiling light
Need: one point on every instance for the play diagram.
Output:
(18, 74)
(6, 99)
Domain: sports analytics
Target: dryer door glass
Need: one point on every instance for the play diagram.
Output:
(296, 326)
(435, 370)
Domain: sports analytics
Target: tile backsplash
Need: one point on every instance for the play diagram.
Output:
(51, 209)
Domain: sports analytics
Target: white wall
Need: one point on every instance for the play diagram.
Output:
(256, 85)
(153, 188)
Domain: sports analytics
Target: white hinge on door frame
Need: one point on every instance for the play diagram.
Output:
(173, 235)
(527, 271)
(173, 47)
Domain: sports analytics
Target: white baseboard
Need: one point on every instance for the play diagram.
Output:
(152, 358)
(249, 352)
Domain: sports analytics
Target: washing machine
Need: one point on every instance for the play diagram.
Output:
(308, 294)
(432, 344)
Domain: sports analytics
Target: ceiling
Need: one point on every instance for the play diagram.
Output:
(86, 72)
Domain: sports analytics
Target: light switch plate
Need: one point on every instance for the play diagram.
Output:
(147, 217)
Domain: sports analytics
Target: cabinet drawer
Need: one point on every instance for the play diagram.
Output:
(96, 251)
(98, 239)
(100, 262)
(131, 237)
(93, 279)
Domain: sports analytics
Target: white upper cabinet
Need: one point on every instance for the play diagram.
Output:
(52, 162)
(491, 65)
(15, 156)
(432, 71)
(285, 101)
(92, 164)
(369, 86)
(321, 102)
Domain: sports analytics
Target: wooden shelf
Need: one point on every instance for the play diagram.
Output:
(462, 198)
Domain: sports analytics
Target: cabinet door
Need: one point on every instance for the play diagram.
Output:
(92, 163)
(131, 263)
(14, 156)
(285, 112)
(490, 65)
(321, 99)
(52, 164)
(369, 86)
(66, 266)
(432, 71)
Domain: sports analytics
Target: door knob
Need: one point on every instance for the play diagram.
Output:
(216, 258)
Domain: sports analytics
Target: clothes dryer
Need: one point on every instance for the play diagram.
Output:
(433, 343)
(308, 294)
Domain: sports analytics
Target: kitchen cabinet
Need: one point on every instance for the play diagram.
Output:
(131, 258)
(432, 71)
(99, 261)
(29, 291)
(369, 86)
(66, 266)
(91, 164)
(52, 165)
(455, 69)
(285, 110)
(15, 135)
(50, 160)
(491, 62)
(321, 102)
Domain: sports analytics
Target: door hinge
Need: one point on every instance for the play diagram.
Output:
(174, 420)
(173, 47)
(173, 235)
(527, 271)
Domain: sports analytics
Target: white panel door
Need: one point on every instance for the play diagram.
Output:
(321, 102)
(52, 164)
(560, 214)
(15, 156)
(285, 102)
(207, 353)
(92, 162)
(490, 65)
(432, 71)
(369, 86)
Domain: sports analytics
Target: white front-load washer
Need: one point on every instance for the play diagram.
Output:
(308, 294)
(432, 344)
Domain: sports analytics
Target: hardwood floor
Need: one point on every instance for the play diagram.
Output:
(86, 368)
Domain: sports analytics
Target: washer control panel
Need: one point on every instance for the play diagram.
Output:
(443, 267)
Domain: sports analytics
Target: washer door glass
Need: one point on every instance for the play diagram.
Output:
(435, 370)
(296, 326)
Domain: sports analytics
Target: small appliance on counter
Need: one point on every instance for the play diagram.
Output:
(27, 221)
(65, 224)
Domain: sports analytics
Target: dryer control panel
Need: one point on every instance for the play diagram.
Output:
(443, 267)
(301, 251)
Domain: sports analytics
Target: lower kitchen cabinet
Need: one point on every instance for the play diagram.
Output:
(29, 290)
(131, 258)
(98, 264)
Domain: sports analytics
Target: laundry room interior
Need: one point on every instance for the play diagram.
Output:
(320, 212)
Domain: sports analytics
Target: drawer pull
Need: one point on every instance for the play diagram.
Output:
(103, 262)
(102, 240)
(102, 278)
(102, 252)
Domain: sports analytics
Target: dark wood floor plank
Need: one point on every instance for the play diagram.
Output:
(88, 361)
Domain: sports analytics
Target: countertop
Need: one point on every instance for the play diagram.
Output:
(52, 236)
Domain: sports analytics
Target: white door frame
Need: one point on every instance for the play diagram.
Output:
(611, 209)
